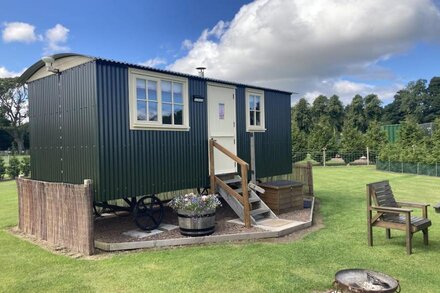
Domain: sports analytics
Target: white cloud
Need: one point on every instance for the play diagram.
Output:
(56, 39)
(187, 44)
(154, 62)
(19, 32)
(296, 44)
(6, 73)
(346, 90)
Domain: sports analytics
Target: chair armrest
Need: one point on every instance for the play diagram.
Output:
(391, 210)
(413, 204)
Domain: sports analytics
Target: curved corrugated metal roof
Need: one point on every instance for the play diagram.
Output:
(39, 64)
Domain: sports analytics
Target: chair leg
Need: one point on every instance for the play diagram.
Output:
(370, 235)
(409, 243)
(388, 233)
(425, 236)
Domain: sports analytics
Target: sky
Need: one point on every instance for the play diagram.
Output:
(309, 47)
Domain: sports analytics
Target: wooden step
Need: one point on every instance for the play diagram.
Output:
(259, 211)
(232, 181)
(253, 199)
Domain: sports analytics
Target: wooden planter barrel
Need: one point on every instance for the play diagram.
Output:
(283, 196)
(196, 224)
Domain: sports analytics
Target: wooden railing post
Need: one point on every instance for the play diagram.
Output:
(244, 199)
(211, 166)
(246, 205)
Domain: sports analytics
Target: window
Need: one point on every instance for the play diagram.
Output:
(158, 101)
(254, 110)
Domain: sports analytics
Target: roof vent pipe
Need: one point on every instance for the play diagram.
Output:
(201, 71)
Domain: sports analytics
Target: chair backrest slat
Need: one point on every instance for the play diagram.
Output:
(383, 196)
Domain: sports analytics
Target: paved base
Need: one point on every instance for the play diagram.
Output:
(139, 234)
(273, 229)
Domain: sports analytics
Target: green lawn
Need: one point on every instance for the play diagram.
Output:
(302, 266)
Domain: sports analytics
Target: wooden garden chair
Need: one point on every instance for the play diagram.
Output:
(390, 214)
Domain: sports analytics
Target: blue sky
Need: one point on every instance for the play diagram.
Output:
(310, 47)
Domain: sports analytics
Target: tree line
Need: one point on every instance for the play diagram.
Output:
(327, 123)
(14, 133)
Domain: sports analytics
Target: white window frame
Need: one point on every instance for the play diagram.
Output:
(136, 124)
(255, 128)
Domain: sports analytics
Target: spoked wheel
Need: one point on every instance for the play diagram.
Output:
(148, 212)
(100, 208)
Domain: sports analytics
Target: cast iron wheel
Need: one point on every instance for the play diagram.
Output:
(148, 212)
(100, 208)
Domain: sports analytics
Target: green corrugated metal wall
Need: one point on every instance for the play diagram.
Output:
(272, 147)
(63, 126)
(136, 162)
(97, 143)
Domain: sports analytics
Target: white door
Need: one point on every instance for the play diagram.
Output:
(221, 125)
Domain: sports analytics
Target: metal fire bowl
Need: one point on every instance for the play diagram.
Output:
(351, 280)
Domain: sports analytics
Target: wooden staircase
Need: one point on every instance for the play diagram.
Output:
(236, 190)
(258, 210)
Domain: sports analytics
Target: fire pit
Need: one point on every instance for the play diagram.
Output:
(364, 281)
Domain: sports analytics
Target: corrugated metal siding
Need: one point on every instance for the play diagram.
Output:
(137, 162)
(63, 126)
(44, 129)
(272, 147)
(392, 132)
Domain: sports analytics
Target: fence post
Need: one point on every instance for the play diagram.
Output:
(418, 168)
(323, 156)
(401, 166)
(389, 165)
(368, 156)
(436, 172)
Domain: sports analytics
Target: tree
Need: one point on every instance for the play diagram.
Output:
(435, 141)
(373, 109)
(336, 112)
(392, 113)
(13, 169)
(299, 143)
(13, 102)
(301, 115)
(356, 113)
(351, 138)
(414, 99)
(375, 137)
(433, 100)
(322, 136)
(5, 138)
(410, 133)
(319, 108)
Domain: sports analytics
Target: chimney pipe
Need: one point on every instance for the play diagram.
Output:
(201, 71)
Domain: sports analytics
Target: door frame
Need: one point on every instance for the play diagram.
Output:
(234, 96)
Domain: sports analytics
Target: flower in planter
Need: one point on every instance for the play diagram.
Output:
(195, 203)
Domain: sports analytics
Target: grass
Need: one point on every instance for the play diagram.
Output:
(302, 266)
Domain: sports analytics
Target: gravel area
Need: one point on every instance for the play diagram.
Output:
(110, 229)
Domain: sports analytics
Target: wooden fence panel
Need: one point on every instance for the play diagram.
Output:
(304, 174)
(59, 213)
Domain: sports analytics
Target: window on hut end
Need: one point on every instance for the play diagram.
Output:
(255, 110)
(158, 101)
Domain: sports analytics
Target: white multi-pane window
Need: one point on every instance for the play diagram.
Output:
(255, 110)
(158, 101)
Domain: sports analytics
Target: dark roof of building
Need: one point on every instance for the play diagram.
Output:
(39, 64)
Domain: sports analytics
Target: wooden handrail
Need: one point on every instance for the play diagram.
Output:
(229, 189)
(244, 199)
(229, 154)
